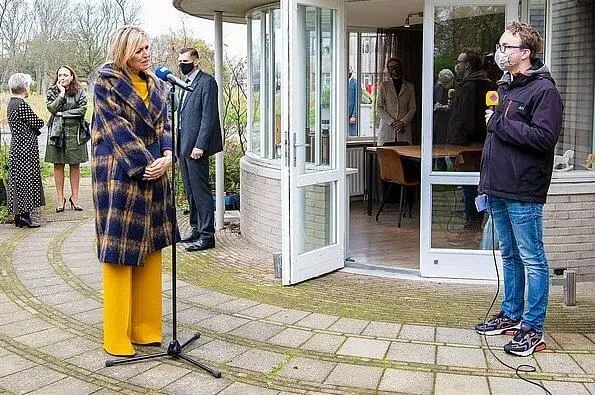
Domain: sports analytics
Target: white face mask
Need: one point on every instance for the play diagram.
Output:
(503, 61)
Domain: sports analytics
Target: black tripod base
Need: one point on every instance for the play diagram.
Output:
(174, 351)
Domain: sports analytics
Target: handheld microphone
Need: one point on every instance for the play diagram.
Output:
(492, 99)
(165, 74)
(451, 95)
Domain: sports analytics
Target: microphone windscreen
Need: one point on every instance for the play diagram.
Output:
(452, 93)
(162, 73)
(492, 98)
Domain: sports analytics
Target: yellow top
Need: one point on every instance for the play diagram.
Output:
(141, 87)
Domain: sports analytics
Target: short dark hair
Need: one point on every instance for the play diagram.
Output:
(473, 58)
(192, 51)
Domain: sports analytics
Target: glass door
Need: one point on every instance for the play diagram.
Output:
(459, 38)
(314, 100)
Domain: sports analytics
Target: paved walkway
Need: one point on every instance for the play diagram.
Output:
(341, 333)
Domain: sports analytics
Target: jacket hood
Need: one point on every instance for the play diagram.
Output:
(478, 75)
(537, 70)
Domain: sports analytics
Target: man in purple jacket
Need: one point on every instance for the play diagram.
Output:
(516, 171)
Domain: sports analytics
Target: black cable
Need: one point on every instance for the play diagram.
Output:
(523, 368)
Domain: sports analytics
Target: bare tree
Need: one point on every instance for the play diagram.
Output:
(235, 97)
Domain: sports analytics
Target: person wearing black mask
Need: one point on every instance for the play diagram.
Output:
(395, 105)
(199, 137)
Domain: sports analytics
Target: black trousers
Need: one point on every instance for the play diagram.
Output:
(195, 175)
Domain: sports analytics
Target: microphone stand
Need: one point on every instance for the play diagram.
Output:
(175, 349)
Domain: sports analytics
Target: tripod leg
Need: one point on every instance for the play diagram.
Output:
(114, 362)
(214, 372)
(193, 338)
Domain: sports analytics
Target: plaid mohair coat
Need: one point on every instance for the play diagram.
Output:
(132, 217)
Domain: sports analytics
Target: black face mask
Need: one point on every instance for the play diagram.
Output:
(396, 73)
(186, 68)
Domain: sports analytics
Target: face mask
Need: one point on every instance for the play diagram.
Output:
(349, 75)
(503, 60)
(460, 70)
(186, 68)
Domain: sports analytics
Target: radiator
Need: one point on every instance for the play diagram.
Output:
(355, 159)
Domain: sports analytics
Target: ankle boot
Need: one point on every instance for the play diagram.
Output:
(17, 220)
(27, 221)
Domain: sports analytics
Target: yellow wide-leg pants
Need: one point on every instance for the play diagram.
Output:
(131, 305)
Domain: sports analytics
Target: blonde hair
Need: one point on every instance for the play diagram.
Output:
(123, 46)
(18, 83)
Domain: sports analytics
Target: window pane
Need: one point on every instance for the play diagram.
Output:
(319, 212)
(572, 54)
(277, 83)
(256, 52)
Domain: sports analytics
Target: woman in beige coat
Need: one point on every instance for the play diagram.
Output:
(396, 110)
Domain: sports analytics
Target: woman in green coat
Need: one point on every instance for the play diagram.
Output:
(67, 138)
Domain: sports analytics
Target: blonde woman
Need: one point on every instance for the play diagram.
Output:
(131, 191)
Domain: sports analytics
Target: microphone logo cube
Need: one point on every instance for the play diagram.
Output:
(492, 98)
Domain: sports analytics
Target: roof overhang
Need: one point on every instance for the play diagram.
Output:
(234, 11)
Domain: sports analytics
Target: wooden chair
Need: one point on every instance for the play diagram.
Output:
(392, 172)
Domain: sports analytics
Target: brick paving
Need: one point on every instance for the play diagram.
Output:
(341, 333)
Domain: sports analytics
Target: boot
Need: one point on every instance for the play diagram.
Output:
(27, 222)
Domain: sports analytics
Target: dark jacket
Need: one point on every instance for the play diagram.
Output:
(133, 217)
(518, 154)
(466, 124)
(199, 118)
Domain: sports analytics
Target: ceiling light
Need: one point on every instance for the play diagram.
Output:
(407, 22)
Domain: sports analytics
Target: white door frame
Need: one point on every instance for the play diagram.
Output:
(434, 262)
(296, 174)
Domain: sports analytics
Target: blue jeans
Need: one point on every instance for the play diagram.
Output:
(519, 226)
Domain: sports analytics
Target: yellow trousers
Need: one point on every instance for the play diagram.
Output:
(131, 305)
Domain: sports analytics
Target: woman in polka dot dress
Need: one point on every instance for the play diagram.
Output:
(24, 189)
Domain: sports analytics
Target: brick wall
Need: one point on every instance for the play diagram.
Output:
(260, 208)
(569, 227)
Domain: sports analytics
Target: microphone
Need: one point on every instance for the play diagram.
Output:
(492, 99)
(451, 95)
(165, 74)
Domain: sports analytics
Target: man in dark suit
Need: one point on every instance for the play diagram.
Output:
(199, 137)
(352, 101)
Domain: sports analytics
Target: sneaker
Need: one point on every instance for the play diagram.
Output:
(525, 342)
(498, 325)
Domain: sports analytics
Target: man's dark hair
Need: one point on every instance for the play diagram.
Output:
(193, 52)
(473, 58)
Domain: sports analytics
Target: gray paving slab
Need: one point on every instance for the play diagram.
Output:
(586, 362)
(457, 336)
(257, 330)
(13, 318)
(210, 299)
(511, 360)
(417, 332)
(69, 348)
(185, 292)
(460, 384)
(308, 369)
(291, 337)
(317, 321)
(366, 348)
(218, 351)
(458, 356)
(262, 310)
(126, 371)
(258, 360)
(247, 389)
(573, 341)
(556, 363)
(44, 337)
(61, 297)
(159, 376)
(10, 364)
(495, 342)
(222, 323)
(366, 377)
(410, 382)
(349, 325)
(288, 316)
(33, 274)
(69, 385)
(565, 388)
(50, 289)
(192, 315)
(34, 283)
(90, 317)
(78, 306)
(197, 383)
(388, 330)
(590, 387)
(412, 352)
(323, 342)
(25, 327)
(30, 379)
(92, 360)
(507, 386)
(236, 305)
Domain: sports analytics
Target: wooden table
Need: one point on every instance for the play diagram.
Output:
(412, 152)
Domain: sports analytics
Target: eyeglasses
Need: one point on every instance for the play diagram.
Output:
(503, 48)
